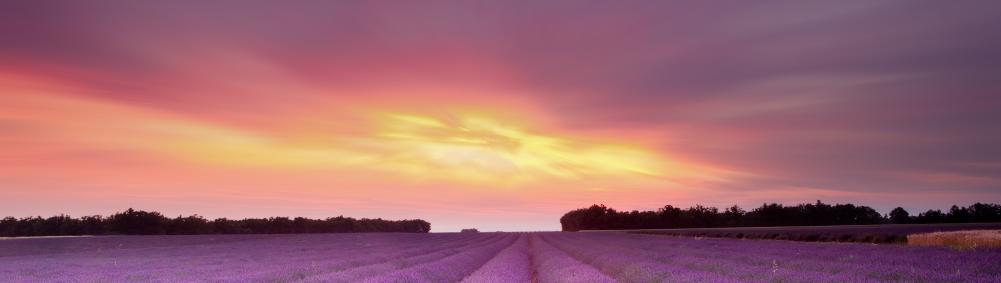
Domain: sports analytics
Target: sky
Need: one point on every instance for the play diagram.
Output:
(496, 115)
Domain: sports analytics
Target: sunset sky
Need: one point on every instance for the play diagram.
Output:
(496, 115)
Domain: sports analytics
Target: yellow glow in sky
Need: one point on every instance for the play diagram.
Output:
(463, 148)
(476, 147)
(457, 147)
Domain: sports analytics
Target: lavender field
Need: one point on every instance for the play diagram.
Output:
(890, 233)
(483, 257)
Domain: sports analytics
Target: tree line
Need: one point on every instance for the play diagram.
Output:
(599, 217)
(138, 222)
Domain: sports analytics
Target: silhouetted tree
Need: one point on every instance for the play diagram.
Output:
(900, 216)
(931, 216)
(599, 217)
(733, 216)
(138, 222)
(191, 225)
(958, 214)
(984, 212)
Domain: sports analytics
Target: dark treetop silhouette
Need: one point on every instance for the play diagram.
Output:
(138, 222)
(599, 217)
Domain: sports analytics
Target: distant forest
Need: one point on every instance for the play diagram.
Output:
(138, 222)
(599, 217)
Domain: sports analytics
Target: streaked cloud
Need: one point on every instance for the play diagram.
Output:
(460, 108)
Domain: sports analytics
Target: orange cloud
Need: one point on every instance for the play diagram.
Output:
(458, 146)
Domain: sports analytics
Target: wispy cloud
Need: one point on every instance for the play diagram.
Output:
(454, 107)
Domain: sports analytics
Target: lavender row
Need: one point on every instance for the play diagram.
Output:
(553, 265)
(760, 261)
(389, 264)
(482, 257)
(449, 269)
(268, 259)
(512, 264)
(890, 233)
